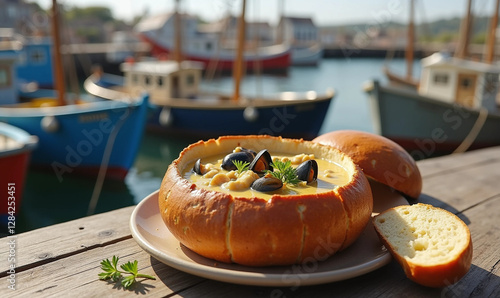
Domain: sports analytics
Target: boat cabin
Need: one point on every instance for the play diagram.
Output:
(8, 79)
(297, 31)
(35, 62)
(468, 83)
(163, 80)
(34, 57)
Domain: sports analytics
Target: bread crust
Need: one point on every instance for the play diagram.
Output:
(256, 232)
(381, 159)
(435, 275)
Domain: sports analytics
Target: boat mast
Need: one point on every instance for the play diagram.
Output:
(281, 29)
(58, 68)
(409, 53)
(177, 32)
(238, 63)
(489, 56)
(462, 50)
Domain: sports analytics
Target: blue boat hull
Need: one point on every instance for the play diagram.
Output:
(291, 114)
(292, 121)
(83, 138)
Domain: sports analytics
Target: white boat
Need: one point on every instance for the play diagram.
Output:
(454, 109)
(307, 55)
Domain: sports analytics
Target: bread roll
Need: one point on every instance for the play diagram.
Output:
(433, 246)
(380, 158)
(282, 230)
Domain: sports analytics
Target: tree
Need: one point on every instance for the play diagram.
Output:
(102, 13)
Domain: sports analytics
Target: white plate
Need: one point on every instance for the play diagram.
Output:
(363, 256)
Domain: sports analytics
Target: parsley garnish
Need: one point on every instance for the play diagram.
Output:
(111, 271)
(284, 171)
(241, 166)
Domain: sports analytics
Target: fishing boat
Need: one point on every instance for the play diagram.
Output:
(184, 109)
(207, 47)
(85, 137)
(454, 108)
(16, 146)
(307, 55)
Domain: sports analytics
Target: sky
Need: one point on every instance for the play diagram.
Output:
(323, 12)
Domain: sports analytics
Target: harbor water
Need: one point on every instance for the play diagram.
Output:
(48, 200)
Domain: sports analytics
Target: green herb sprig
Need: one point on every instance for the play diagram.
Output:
(284, 171)
(112, 272)
(241, 166)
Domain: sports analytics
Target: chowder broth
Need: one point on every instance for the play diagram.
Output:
(330, 175)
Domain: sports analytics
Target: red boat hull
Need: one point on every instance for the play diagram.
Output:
(275, 63)
(12, 177)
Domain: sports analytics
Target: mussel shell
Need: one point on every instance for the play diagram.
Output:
(261, 162)
(197, 168)
(227, 162)
(308, 171)
(249, 151)
(266, 184)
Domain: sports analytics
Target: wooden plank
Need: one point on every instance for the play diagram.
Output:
(64, 258)
(435, 166)
(77, 275)
(379, 283)
(51, 243)
(457, 190)
(483, 279)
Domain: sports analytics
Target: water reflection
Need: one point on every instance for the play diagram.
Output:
(46, 201)
(155, 155)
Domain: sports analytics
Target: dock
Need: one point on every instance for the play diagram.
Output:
(63, 260)
(348, 51)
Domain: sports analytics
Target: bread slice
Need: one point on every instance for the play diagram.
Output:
(433, 246)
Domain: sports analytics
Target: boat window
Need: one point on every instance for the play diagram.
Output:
(159, 81)
(4, 77)
(441, 79)
(37, 56)
(190, 80)
(147, 80)
(491, 84)
(466, 83)
(208, 46)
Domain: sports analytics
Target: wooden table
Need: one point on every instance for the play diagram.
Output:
(63, 259)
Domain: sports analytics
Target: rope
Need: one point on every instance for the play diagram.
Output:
(104, 164)
(476, 128)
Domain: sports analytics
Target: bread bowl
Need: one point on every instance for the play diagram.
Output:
(381, 159)
(433, 246)
(280, 229)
